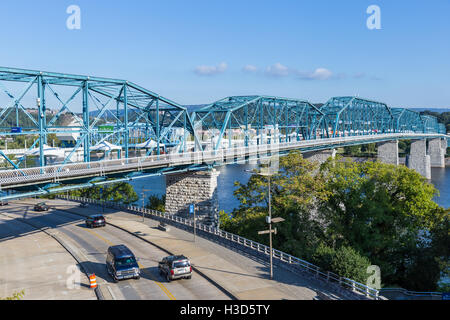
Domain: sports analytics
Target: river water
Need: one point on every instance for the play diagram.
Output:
(440, 177)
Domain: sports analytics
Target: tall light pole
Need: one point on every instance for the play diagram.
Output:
(192, 211)
(269, 219)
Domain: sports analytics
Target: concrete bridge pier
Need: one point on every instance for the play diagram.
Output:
(320, 156)
(388, 152)
(196, 187)
(418, 158)
(437, 149)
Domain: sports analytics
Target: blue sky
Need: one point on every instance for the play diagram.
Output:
(197, 51)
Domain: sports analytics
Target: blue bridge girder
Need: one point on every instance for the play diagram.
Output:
(126, 115)
(120, 104)
(350, 116)
(256, 116)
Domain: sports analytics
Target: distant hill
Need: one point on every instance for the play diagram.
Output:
(438, 110)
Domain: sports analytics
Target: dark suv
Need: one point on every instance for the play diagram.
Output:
(95, 221)
(41, 207)
(121, 263)
(175, 267)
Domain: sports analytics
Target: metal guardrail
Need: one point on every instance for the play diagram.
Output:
(295, 264)
(400, 294)
(100, 168)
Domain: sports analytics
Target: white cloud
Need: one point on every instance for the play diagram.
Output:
(250, 68)
(318, 74)
(211, 70)
(278, 70)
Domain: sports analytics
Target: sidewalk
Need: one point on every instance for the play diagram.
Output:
(243, 277)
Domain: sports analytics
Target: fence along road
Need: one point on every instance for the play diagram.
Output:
(347, 288)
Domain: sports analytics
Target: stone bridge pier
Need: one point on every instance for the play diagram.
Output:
(388, 152)
(418, 158)
(437, 149)
(196, 187)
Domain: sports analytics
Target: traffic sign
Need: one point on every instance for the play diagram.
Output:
(106, 129)
(16, 130)
(268, 231)
(191, 209)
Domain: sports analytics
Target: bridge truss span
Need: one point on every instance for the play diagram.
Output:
(254, 120)
(114, 130)
(96, 112)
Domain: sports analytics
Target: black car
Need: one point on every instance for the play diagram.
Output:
(175, 267)
(41, 207)
(95, 221)
(121, 263)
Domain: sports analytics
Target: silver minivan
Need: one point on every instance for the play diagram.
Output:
(175, 267)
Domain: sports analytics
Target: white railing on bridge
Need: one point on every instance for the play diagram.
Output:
(291, 262)
(101, 168)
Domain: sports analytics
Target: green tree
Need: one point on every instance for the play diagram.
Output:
(350, 215)
(118, 192)
(343, 261)
(156, 203)
(352, 151)
(382, 211)
(348, 263)
(295, 190)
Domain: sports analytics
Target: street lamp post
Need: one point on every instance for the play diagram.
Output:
(269, 220)
(270, 229)
(192, 211)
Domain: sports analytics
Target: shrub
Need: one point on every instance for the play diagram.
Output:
(350, 264)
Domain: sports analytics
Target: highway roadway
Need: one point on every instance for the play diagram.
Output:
(92, 245)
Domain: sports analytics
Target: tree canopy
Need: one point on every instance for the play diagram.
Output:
(345, 216)
(121, 192)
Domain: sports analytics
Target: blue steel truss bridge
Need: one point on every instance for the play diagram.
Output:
(110, 130)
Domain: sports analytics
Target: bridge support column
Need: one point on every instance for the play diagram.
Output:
(320, 156)
(418, 158)
(388, 152)
(199, 188)
(437, 149)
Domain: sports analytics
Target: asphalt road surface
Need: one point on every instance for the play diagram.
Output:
(92, 245)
